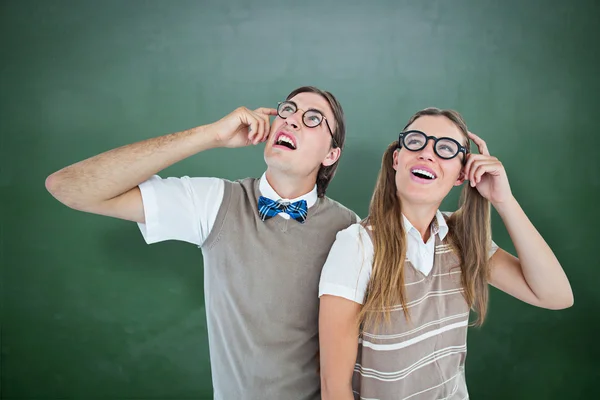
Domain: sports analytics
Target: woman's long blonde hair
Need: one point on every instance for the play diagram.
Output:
(469, 234)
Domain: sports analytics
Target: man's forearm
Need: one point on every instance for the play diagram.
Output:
(116, 171)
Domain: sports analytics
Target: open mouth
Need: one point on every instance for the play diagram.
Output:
(285, 141)
(421, 173)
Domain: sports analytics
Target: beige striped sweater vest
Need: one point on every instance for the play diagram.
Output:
(426, 359)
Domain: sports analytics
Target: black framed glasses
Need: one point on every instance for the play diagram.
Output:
(311, 117)
(444, 147)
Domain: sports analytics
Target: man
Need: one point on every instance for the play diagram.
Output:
(264, 241)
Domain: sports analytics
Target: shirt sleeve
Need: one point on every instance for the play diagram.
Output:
(493, 249)
(348, 266)
(182, 209)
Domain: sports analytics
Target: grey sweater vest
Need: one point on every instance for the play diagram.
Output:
(426, 359)
(261, 286)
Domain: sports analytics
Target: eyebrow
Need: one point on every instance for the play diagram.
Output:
(460, 141)
(308, 109)
(316, 109)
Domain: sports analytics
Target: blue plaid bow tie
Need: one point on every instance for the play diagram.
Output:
(268, 208)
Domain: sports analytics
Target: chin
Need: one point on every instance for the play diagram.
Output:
(416, 196)
(419, 200)
(277, 162)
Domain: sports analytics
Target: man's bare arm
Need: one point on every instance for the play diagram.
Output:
(107, 184)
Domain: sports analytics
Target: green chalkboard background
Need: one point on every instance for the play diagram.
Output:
(90, 311)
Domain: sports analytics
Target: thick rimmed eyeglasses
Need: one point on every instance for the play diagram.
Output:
(444, 147)
(311, 117)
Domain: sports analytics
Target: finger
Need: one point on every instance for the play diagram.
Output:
(266, 111)
(267, 128)
(261, 129)
(246, 119)
(484, 168)
(475, 165)
(470, 160)
(261, 118)
(257, 135)
(253, 126)
(252, 129)
(478, 173)
(472, 171)
(481, 145)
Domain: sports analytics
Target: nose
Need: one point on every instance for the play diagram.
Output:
(294, 119)
(427, 153)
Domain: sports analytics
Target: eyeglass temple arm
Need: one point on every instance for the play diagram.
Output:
(331, 133)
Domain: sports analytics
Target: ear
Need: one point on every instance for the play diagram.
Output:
(395, 162)
(461, 178)
(332, 157)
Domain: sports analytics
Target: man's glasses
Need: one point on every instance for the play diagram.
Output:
(444, 147)
(311, 118)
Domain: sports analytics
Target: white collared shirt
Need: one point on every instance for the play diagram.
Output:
(267, 190)
(421, 254)
(186, 208)
(347, 271)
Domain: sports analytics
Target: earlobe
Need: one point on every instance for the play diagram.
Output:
(332, 157)
(395, 160)
(461, 178)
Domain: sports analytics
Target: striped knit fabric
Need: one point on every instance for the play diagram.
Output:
(426, 359)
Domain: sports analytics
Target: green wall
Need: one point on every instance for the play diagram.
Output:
(90, 311)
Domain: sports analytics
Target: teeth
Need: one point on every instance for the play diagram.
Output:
(422, 172)
(286, 139)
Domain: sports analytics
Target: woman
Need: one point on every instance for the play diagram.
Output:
(403, 281)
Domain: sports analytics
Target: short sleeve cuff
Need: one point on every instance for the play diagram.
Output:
(340, 291)
(149, 229)
(493, 249)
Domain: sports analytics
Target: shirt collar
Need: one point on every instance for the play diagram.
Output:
(267, 190)
(438, 226)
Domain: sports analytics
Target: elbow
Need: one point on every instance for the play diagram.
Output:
(327, 392)
(566, 302)
(51, 184)
(567, 299)
(560, 301)
(333, 389)
(555, 306)
(57, 186)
